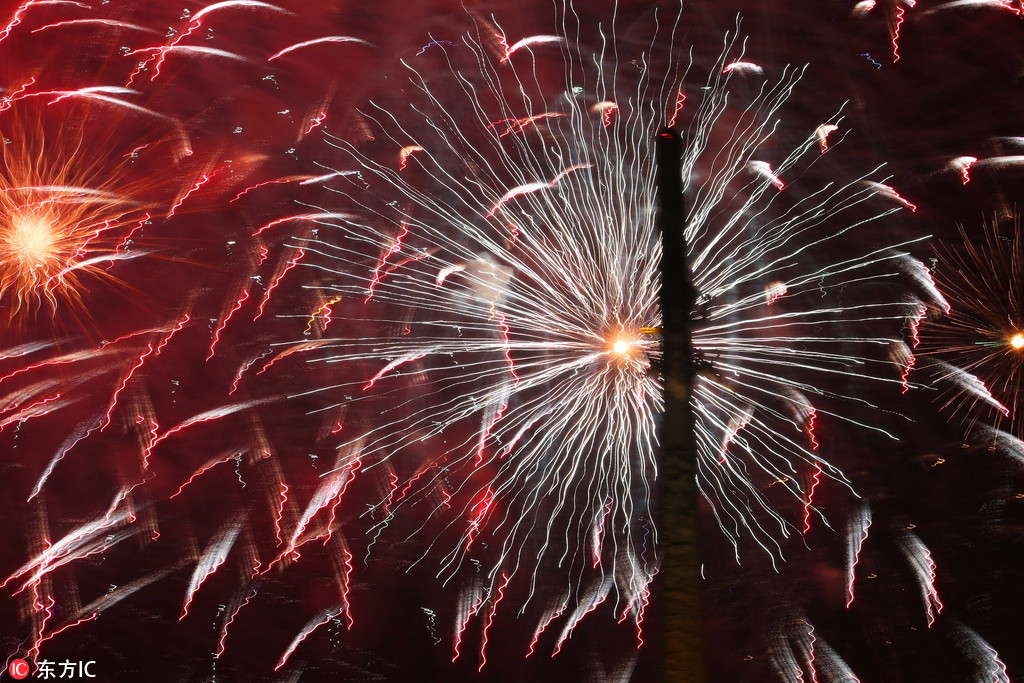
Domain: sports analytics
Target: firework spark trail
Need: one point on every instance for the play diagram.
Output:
(529, 303)
(210, 464)
(554, 611)
(325, 617)
(89, 539)
(470, 602)
(332, 490)
(989, 666)
(786, 665)
(119, 593)
(921, 562)
(798, 649)
(81, 432)
(856, 535)
(316, 41)
(970, 4)
(1005, 442)
(589, 602)
(968, 385)
(214, 556)
(240, 600)
(205, 416)
(835, 665)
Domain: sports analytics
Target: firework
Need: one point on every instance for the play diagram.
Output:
(492, 286)
(976, 345)
(459, 321)
(798, 649)
(73, 208)
(123, 143)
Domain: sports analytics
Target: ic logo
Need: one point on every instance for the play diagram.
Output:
(18, 669)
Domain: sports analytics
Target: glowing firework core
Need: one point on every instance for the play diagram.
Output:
(30, 254)
(629, 346)
(30, 241)
(1017, 341)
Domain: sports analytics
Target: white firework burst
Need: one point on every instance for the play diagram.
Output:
(493, 291)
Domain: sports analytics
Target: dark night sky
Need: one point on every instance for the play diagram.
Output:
(955, 91)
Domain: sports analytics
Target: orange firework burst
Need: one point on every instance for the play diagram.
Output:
(978, 345)
(72, 204)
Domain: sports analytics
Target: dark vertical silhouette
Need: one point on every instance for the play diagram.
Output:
(679, 525)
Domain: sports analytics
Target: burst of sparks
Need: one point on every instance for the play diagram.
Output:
(63, 220)
(525, 320)
(975, 347)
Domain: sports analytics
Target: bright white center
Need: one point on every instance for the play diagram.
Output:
(31, 240)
